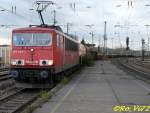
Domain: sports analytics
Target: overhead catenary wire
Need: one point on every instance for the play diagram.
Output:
(16, 14)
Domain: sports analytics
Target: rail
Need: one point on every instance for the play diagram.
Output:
(17, 101)
(141, 72)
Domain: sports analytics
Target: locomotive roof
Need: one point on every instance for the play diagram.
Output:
(40, 27)
(33, 28)
(43, 29)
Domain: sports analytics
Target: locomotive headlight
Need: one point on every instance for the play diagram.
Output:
(46, 62)
(13, 62)
(31, 50)
(50, 62)
(17, 62)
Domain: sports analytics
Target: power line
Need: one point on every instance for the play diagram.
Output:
(14, 8)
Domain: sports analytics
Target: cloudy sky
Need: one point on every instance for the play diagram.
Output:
(123, 19)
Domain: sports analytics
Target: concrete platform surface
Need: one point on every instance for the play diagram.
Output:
(98, 89)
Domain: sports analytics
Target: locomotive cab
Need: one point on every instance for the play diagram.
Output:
(32, 54)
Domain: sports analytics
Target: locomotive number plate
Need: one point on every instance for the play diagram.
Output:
(32, 62)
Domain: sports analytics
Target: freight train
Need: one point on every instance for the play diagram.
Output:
(41, 54)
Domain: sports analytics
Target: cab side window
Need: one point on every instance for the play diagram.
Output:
(58, 40)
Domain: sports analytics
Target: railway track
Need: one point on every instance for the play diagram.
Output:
(8, 92)
(12, 99)
(140, 71)
(15, 102)
(142, 64)
(4, 74)
(4, 68)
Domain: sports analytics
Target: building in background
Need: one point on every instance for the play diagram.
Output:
(4, 55)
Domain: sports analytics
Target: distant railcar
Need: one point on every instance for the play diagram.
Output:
(39, 54)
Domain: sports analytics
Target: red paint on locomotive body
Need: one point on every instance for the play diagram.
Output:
(31, 58)
(47, 49)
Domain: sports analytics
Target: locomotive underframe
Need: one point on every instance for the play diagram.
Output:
(33, 75)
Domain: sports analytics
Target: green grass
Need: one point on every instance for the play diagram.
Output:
(29, 109)
(65, 80)
(88, 60)
(45, 95)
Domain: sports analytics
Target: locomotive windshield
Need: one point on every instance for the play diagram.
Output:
(32, 39)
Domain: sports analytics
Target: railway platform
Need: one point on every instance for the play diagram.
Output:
(98, 89)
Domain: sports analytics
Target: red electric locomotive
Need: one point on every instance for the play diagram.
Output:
(40, 54)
